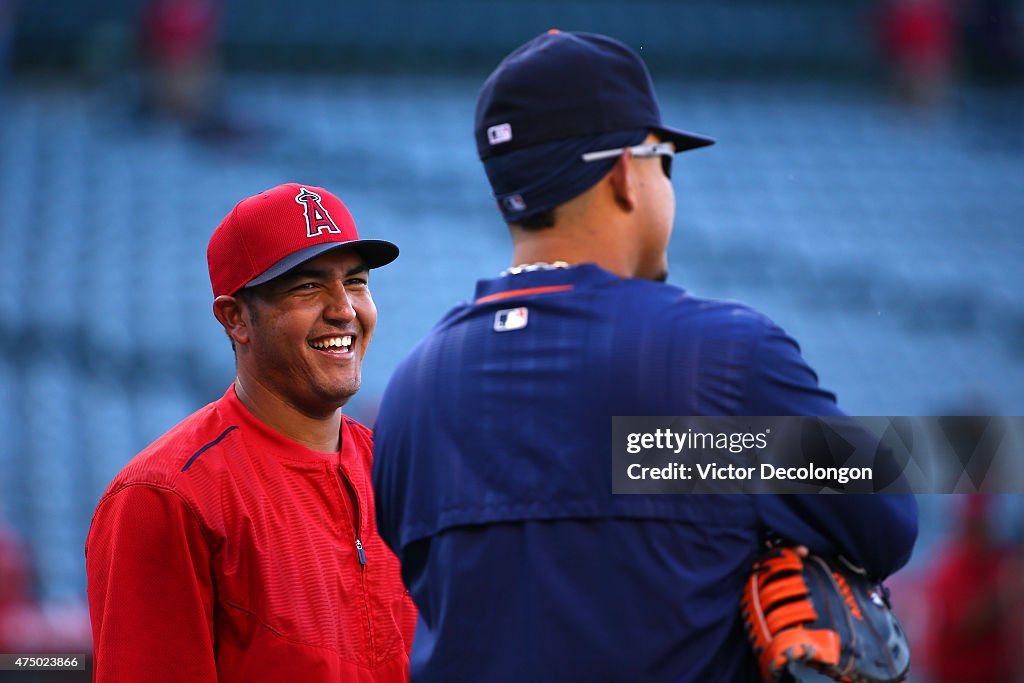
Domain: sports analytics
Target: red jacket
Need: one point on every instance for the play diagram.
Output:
(228, 552)
(973, 627)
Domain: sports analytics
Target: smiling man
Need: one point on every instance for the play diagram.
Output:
(241, 545)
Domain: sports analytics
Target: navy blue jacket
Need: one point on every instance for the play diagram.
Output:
(493, 483)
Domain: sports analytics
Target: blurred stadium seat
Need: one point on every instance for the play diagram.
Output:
(886, 240)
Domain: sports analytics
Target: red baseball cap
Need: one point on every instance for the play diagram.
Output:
(270, 233)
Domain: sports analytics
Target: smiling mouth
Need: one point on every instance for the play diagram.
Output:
(339, 344)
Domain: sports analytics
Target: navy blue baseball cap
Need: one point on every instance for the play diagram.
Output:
(566, 84)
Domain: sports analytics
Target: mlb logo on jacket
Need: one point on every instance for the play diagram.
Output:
(511, 319)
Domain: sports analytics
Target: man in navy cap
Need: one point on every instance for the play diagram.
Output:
(493, 446)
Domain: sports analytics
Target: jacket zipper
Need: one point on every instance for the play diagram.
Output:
(357, 523)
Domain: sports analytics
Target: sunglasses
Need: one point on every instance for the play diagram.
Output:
(665, 150)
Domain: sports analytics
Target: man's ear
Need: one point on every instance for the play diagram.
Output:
(623, 182)
(232, 314)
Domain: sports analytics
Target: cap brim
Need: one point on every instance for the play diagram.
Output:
(375, 253)
(682, 139)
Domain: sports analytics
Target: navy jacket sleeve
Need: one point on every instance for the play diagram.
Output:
(781, 382)
(877, 531)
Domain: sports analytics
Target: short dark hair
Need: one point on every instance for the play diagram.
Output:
(537, 221)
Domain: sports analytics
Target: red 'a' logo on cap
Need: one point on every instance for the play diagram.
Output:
(317, 218)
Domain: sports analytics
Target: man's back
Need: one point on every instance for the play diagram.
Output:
(493, 482)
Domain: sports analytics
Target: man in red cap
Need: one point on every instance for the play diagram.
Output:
(241, 545)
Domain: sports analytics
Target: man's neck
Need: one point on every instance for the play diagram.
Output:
(571, 244)
(318, 433)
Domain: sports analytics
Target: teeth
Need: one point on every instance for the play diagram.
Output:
(334, 342)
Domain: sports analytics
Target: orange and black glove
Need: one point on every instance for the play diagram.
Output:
(808, 616)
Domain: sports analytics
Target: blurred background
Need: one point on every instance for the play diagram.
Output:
(866, 192)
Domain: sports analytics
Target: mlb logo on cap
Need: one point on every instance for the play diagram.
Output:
(514, 203)
(499, 133)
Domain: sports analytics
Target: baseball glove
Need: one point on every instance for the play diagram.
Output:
(808, 614)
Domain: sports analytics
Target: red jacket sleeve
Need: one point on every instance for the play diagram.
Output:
(150, 589)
